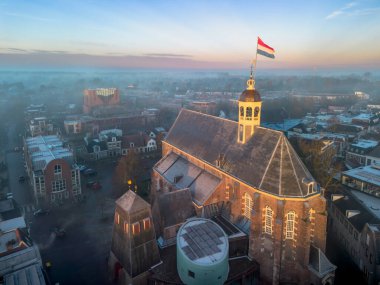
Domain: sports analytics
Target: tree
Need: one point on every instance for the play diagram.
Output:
(129, 168)
(319, 158)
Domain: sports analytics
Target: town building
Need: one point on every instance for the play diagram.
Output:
(365, 179)
(250, 181)
(356, 152)
(100, 97)
(354, 223)
(51, 167)
(40, 126)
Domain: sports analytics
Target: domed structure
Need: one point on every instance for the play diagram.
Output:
(250, 96)
(202, 253)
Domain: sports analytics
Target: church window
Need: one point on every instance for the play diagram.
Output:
(228, 192)
(249, 113)
(117, 218)
(242, 111)
(290, 219)
(247, 205)
(136, 228)
(268, 220)
(126, 226)
(146, 223)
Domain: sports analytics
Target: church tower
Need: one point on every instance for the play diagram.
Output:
(249, 111)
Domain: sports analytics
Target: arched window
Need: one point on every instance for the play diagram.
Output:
(57, 169)
(290, 218)
(242, 111)
(247, 205)
(257, 110)
(268, 220)
(249, 113)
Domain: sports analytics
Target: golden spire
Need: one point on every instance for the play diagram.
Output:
(251, 82)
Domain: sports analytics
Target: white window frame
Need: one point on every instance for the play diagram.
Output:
(290, 225)
(268, 220)
(247, 205)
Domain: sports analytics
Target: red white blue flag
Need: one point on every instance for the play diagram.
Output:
(264, 49)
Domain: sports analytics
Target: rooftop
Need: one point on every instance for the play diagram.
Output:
(369, 174)
(12, 224)
(365, 144)
(44, 149)
(203, 241)
(268, 154)
(370, 202)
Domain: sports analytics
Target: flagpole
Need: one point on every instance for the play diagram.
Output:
(257, 45)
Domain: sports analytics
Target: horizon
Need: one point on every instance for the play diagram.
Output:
(310, 36)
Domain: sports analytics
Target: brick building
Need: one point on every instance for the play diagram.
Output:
(249, 181)
(54, 176)
(252, 178)
(100, 97)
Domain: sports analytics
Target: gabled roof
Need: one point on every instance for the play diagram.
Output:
(130, 202)
(319, 263)
(184, 174)
(267, 161)
(175, 207)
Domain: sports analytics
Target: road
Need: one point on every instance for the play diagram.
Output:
(22, 193)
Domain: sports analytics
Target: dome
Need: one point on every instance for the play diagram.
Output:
(250, 95)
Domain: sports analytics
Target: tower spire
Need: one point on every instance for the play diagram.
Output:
(251, 81)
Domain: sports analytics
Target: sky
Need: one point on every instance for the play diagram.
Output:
(193, 34)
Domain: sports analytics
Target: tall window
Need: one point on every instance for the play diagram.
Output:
(290, 218)
(268, 221)
(57, 169)
(249, 113)
(242, 111)
(247, 205)
(58, 185)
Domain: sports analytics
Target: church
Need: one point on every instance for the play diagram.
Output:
(245, 182)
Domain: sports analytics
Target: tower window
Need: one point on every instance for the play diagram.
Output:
(247, 205)
(136, 228)
(146, 223)
(126, 227)
(290, 219)
(249, 113)
(257, 110)
(268, 220)
(241, 111)
(241, 133)
(117, 218)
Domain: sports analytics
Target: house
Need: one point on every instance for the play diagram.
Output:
(139, 143)
(354, 223)
(54, 176)
(356, 152)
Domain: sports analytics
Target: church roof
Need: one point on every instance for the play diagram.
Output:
(130, 202)
(267, 161)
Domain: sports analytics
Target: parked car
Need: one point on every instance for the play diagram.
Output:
(90, 183)
(96, 186)
(90, 172)
(21, 179)
(82, 167)
(41, 212)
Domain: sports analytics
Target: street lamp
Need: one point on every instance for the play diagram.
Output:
(129, 184)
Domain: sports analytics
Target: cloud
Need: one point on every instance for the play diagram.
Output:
(168, 55)
(348, 11)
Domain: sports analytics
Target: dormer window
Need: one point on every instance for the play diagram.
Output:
(114, 139)
(131, 145)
